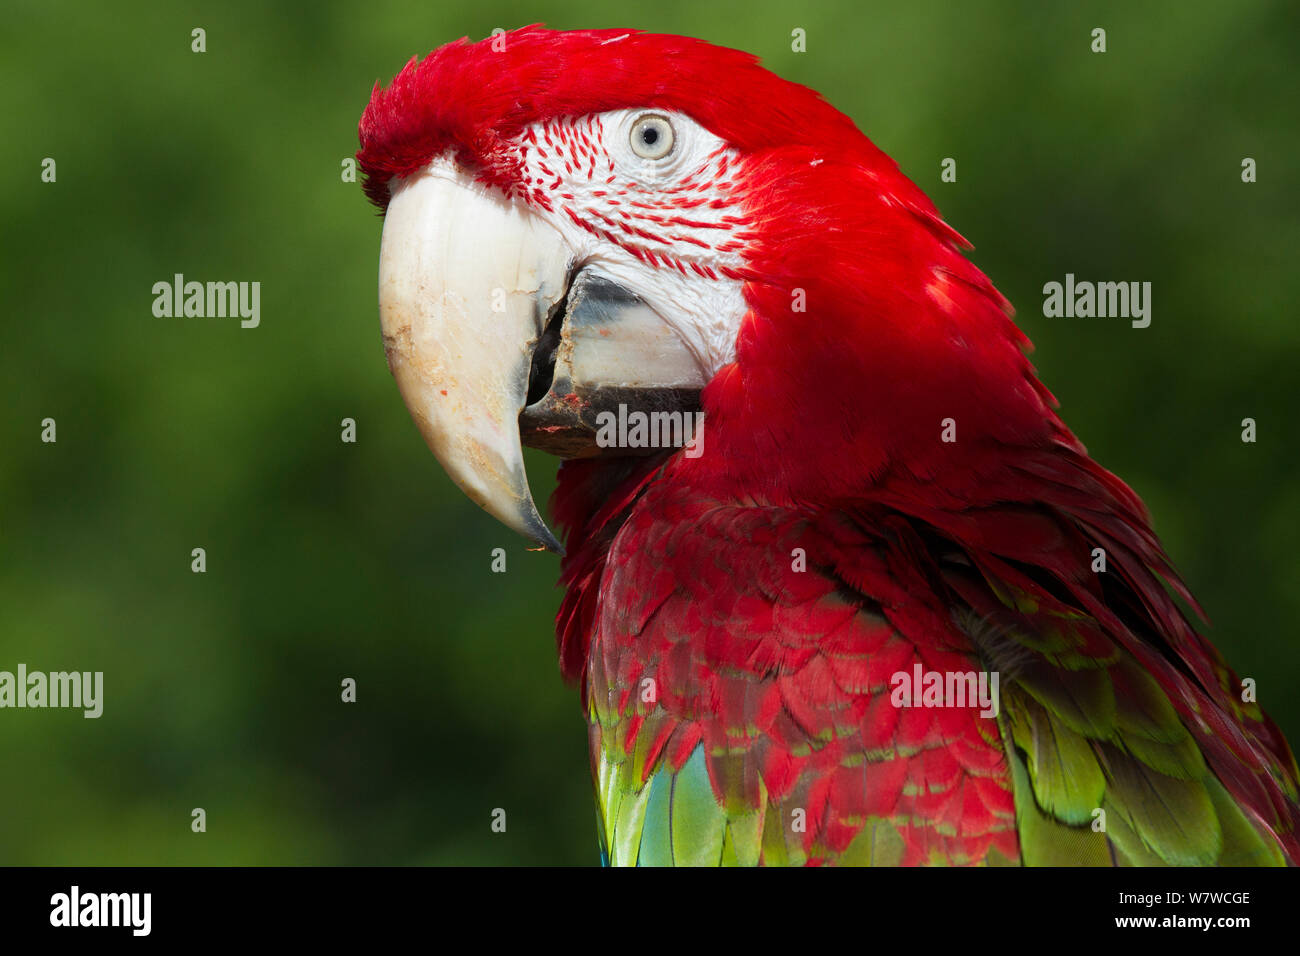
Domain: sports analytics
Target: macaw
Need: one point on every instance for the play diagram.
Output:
(765, 618)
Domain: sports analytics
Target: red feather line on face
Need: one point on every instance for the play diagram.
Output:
(837, 409)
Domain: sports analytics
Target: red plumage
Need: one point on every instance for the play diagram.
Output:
(824, 435)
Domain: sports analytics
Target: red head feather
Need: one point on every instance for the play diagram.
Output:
(472, 97)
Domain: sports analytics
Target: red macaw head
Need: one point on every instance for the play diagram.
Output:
(576, 220)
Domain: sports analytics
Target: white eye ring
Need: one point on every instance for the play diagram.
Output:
(652, 136)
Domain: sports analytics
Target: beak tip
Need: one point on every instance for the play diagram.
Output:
(542, 535)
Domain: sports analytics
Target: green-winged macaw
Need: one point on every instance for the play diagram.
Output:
(841, 585)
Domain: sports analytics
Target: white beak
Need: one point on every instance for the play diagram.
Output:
(467, 281)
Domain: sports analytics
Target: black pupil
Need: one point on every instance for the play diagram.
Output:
(650, 136)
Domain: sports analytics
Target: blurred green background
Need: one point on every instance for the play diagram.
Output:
(328, 560)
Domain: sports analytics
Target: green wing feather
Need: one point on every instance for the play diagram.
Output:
(1104, 770)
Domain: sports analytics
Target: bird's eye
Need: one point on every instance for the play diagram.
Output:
(652, 136)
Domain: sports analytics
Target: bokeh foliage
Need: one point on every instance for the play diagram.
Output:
(328, 560)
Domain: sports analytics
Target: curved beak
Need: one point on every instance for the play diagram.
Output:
(497, 337)
(466, 284)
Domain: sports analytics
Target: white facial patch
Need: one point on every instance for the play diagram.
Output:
(670, 229)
